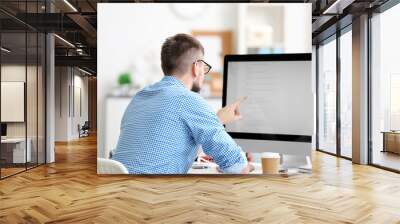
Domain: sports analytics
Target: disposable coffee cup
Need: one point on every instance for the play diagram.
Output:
(270, 162)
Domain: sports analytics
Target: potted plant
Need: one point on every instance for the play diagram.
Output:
(125, 83)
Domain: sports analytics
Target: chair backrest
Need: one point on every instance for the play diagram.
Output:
(86, 125)
(109, 166)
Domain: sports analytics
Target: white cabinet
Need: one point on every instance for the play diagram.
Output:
(115, 108)
(19, 155)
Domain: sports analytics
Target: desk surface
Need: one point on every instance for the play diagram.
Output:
(390, 132)
(13, 140)
(212, 168)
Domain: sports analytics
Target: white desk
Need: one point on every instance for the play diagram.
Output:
(212, 168)
(19, 154)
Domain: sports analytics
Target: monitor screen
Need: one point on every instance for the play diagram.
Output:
(3, 129)
(278, 87)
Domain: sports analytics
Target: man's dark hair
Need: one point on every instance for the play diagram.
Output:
(178, 53)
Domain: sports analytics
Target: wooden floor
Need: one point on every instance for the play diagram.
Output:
(70, 191)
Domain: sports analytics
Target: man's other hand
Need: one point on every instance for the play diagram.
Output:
(250, 157)
(248, 169)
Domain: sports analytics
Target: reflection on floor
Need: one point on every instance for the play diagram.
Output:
(387, 159)
(11, 169)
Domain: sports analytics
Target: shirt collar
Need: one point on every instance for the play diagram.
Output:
(173, 80)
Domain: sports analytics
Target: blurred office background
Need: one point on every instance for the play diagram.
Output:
(130, 38)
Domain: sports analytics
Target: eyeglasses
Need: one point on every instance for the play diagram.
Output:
(208, 66)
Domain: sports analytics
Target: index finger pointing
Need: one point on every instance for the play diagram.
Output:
(239, 101)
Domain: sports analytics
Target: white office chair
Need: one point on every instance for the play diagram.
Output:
(109, 166)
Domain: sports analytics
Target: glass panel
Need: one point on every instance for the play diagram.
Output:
(346, 94)
(385, 89)
(23, 90)
(41, 99)
(13, 87)
(31, 100)
(32, 88)
(327, 97)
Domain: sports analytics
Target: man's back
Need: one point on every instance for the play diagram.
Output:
(153, 137)
(163, 126)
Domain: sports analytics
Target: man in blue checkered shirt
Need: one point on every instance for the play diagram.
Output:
(165, 123)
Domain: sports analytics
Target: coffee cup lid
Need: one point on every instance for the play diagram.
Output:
(270, 155)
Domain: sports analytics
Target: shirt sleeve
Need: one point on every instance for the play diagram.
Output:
(208, 132)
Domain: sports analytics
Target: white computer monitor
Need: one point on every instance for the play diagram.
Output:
(278, 112)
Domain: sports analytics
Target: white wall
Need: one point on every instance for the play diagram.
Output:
(130, 38)
(80, 82)
(121, 26)
(290, 23)
(61, 103)
(67, 79)
(297, 34)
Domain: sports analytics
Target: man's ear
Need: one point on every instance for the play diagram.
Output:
(195, 69)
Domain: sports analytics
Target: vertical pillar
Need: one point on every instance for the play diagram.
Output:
(360, 89)
(50, 92)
